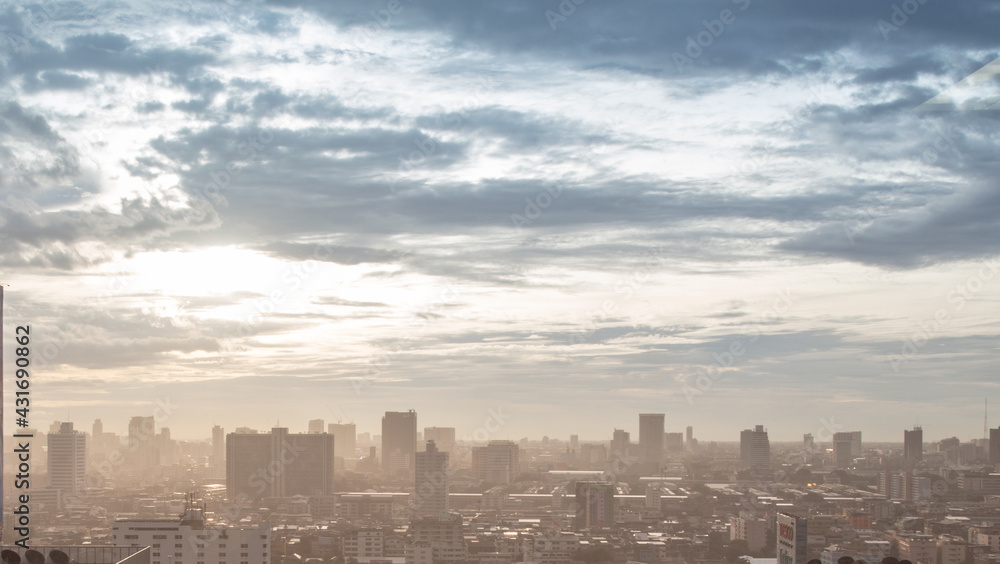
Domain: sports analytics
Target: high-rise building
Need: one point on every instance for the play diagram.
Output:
(595, 505)
(443, 437)
(913, 446)
(620, 445)
(755, 448)
(689, 435)
(808, 443)
(190, 539)
(498, 462)
(430, 489)
(399, 441)
(279, 464)
(843, 450)
(316, 426)
(67, 459)
(345, 435)
(574, 443)
(673, 442)
(994, 453)
(651, 440)
(792, 536)
(218, 446)
(853, 439)
(142, 443)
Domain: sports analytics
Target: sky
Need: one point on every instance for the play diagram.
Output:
(519, 218)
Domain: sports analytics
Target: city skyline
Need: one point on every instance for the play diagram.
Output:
(827, 433)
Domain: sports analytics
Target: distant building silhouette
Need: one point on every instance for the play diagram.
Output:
(620, 444)
(595, 505)
(316, 426)
(67, 460)
(913, 446)
(345, 435)
(651, 440)
(141, 436)
(399, 441)
(279, 464)
(498, 462)
(218, 447)
(755, 448)
(430, 488)
(443, 437)
(994, 446)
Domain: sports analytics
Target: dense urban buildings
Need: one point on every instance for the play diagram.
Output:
(549, 500)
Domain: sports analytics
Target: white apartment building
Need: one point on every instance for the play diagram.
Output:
(188, 540)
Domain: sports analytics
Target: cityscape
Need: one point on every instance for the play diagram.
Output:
(499, 282)
(405, 494)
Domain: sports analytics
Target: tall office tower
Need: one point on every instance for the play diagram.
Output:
(574, 443)
(443, 437)
(689, 434)
(316, 426)
(808, 443)
(218, 447)
(399, 441)
(842, 450)
(67, 457)
(913, 446)
(673, 442)
(498, 462)
(755, 448)
(595, 505)
(430, 491)
(98, 429)
(190, 538)
(651, 440)
(854, 438)
(620, 445)
(346, 435)
(141, 443)
(167, 447)
(994, 446)
(279, 464)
